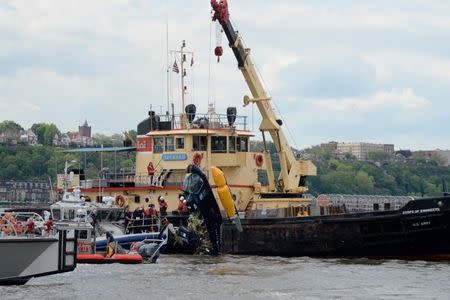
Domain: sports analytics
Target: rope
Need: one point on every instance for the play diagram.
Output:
(209, 63)
(193, 81)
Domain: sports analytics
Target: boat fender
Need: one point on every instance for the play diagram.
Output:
(225, 196)
(197, 159)
(259, 159)
(120, 200)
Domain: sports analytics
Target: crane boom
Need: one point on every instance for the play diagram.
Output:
(293, 172)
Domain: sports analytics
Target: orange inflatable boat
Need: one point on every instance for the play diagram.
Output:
(99, 258)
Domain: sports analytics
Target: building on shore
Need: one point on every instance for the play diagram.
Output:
(442, 155)
(25, 191)
(361, 150)
(82, 138)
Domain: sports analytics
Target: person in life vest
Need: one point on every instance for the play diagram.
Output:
(182, 206)
(128, 219)
(138, 219)
(162, 206)
(154, 217)
(30, 226)
(151, 171)
(151, 214)
(111, 245)
(147, 213)
(48, 226)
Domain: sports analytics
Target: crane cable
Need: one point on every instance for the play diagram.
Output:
(209, 62)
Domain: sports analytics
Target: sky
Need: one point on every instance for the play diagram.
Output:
(346, 71)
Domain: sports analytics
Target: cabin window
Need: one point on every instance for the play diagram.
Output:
(56, 214)
(69, 214)
(376, 206)
(219, 144)
(82, 234)
(322, 210)
(180, 143)
(387, 206)
(170, 146)
(199, 143)
(232, 144)
(158, 145)
(242, 144)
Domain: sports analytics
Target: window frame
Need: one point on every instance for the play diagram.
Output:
(218, 138)
(201, 147)
(177, 142)
(156, 148)
(167, 144)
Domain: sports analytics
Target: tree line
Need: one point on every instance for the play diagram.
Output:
(44, 162)
(420, 177)
(45, 133)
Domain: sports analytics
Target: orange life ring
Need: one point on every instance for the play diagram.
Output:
(7, 229)
(120, 200)
(259, 159)
(197, 159)
(6, 224)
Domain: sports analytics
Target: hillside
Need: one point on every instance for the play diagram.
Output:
(419, 177)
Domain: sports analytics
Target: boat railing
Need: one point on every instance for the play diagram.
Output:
(15, 224)
(161, 178)
(153, 224)
(210, 121)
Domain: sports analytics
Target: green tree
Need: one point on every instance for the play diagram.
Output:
(45, 132)
(378, 156)
(10, 129)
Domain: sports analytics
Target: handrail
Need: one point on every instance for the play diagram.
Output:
(155, 223)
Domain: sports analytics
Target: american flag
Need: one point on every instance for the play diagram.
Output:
(175, 67)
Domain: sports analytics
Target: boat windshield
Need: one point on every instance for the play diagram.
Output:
(192, 184)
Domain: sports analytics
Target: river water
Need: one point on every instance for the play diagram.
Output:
(244, 277)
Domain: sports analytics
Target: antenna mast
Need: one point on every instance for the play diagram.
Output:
(182, 54)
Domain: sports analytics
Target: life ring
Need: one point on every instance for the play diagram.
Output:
(6, 223)
(19, 228)
(197, 159)
(259, 159)
(120, 200)
(7, 229)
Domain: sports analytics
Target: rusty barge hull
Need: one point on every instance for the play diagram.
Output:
(420, 229)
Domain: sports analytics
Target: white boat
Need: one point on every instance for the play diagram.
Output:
(26, 255)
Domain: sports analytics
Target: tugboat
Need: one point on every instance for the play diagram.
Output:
(288, 222)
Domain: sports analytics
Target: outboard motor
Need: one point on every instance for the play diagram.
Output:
(199, 196)
(231, 115)
(190, 110)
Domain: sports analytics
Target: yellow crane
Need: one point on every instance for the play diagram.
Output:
(293, 171)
